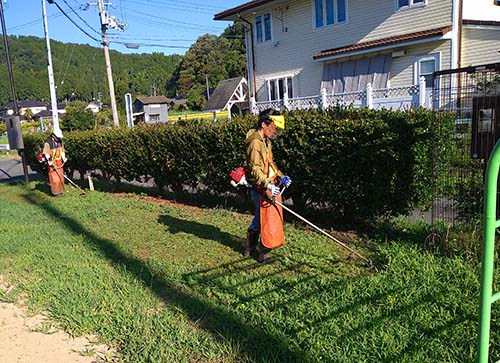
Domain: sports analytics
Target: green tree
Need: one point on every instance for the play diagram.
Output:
(211, 57)
(28, 115)
(77, 117)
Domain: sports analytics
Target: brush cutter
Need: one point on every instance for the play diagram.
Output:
(74, 184)
(42, 159)
(239, 180)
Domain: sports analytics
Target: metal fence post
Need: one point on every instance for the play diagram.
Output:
(324, 100)
(369, 95)
(421, 92)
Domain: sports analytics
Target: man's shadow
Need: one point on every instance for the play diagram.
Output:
(204, 231)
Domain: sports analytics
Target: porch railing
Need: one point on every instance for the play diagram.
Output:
(395, 98)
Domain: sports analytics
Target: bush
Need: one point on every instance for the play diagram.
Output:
(353, 164)
(77, 117)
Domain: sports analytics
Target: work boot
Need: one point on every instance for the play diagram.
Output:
(263, 255)
(251, 243)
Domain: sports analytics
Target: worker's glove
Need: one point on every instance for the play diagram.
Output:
(286, 180)
(50, 162)
(64, 158)
(275, 190)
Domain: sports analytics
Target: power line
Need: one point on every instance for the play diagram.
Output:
(75, 24)
(177, 21)
(20, 26)
(195, 6)
(176, 8)
(159, 38)
(79, 17)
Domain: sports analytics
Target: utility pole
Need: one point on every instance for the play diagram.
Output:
(52, 86)
(104, 26)
(14, 124)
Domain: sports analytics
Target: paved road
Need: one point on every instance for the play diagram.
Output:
(12, 168)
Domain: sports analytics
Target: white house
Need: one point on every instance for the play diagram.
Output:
(35, 108)
(295, 48)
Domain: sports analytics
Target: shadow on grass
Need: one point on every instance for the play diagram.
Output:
(256, 344)
(203, 231)
(200, 198)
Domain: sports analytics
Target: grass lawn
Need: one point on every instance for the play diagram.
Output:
(164, 282)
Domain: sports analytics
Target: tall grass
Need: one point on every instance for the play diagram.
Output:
(168, 283)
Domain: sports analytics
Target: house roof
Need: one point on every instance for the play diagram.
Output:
(179, 100)
(480, 22)
(224, 15)
(223, 94)
(25, 104)
(152, 99)
(384, 42)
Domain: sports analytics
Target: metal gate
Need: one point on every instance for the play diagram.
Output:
(466, 127)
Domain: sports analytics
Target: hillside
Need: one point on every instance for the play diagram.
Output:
(80, 71)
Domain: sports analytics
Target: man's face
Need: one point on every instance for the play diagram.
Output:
(269, 130)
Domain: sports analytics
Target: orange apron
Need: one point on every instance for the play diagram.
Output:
(271, 222)
(56, 171)
(271, 218)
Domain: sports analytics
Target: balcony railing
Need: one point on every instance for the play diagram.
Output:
(391, 98)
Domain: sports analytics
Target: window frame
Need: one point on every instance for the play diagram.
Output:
(325, 15)
(411, 5)
(416, 66)
(262, 27)
(155, 117)
(275, 90)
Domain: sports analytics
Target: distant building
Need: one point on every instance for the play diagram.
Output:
(151, 109)
(178, 100)
(94, 107)
(34, 106)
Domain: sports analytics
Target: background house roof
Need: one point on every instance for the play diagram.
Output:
(385, 41)
(152, 99)
(25, 104)
(222, 94)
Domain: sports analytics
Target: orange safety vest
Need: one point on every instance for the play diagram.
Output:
(56, 153)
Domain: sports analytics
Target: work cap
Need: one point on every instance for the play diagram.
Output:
(279, 121)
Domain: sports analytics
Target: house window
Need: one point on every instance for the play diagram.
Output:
(409, 3)
(154, 118)
(328, 12)
(263, 28)
(425, 66)
(277, 88)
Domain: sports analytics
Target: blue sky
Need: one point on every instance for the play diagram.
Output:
(164, 26)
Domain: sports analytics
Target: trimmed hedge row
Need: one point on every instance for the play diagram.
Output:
(359, 164)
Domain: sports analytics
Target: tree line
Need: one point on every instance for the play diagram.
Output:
(80, 71)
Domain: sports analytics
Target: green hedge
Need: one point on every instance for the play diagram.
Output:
(358, 164)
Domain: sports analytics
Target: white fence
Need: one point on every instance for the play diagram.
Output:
(393, 98)
(5, 147)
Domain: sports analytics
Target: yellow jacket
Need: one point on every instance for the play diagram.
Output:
(260, 166)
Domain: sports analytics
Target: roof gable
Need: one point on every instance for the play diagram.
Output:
(233, 90)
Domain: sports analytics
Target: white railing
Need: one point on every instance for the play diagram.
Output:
(390, 98)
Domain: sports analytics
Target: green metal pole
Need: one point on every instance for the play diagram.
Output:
(489, 229)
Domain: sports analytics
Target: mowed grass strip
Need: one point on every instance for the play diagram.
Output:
(168, 283)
